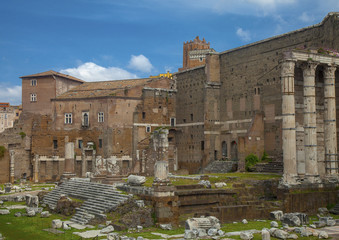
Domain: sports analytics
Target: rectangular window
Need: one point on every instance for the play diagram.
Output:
(100, 117)
(34, 82)
(202, 145)
(100, 143)
(79, 143)
(55, 144)
(33, 97)
(143, 115)
(148, 129)
(191, 116)
(68, 118)
(172, 122)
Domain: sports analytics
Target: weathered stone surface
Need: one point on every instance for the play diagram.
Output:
(265, 235)
(65, 226)
(212, 232)
(277, 233)
(4, 211)
(32, 201)
(166, 226)
(202, 232)
(244, 221)
(276, 215)
(189, 234)
(140, 203)
(331, 223)
(56, 223)
(139, 228)
(66, 206)
(136, 180)
(291, 219)
(204, 223)
(205, 183)
(319, 224)
(323, 211)
(221, 233)
(107, 229)
(30, 212)
(220, 184)
(45, 214)
(246, 235)
(17, 214)
(323, 235)
(274, 224)
(113, 236)
(292, 236)
(305, 232)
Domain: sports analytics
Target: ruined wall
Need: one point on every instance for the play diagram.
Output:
(250, 84)
(190, 118)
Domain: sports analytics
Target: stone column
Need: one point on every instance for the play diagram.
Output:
(36, 168)
(84, 163)
(330, 131)
(310, 122)
(11, 154)
(288, 122)
(69, 157)
(94, 165)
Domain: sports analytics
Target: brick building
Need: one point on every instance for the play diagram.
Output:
(38, 89)
(276, 95)
(103, 127)
(194, 53)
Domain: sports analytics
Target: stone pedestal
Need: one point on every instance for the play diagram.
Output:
(161, 173)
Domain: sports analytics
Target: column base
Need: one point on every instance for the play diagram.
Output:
(331, 178)
(312, 179)
(289, 180)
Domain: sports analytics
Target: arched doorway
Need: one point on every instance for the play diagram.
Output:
(234, 151)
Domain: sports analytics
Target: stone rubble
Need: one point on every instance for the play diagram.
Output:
(276, 215)
(136, 180)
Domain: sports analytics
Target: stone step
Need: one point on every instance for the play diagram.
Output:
(98, 198)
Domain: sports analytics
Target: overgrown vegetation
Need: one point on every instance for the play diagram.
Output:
(250, 161)
(2, 151)
(22, 134)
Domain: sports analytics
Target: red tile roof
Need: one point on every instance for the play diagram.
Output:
(51, 72)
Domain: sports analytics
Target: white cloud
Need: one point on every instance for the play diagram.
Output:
(244, 35)
(306, 18)
(10, 94)
(140, 63)
(92, 72)
(241, 7)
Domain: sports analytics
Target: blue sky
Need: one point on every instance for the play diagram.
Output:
(108, 39)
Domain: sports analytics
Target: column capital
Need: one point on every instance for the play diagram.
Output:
(287, 68)
(329, 70)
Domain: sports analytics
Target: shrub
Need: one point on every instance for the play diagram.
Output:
(2, 151)
(22, 134)
(265, 157)
(251, 160)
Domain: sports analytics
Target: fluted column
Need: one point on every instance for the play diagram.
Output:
(288, 122)
(310, 122)
(330, 133)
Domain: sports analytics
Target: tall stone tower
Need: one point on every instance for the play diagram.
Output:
(194, 53)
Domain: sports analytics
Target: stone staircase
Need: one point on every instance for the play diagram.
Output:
(220, 167)
(98, 199)
(335, 210)
(270, 167)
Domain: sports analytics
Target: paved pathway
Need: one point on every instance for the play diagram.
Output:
(332, 231)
